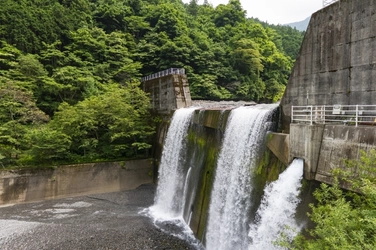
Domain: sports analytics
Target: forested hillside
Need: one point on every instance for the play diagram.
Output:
(70, 69)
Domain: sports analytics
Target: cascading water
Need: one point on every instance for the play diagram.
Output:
(231, 208)
(169, 200)
(230, 203)
(276, 212)
(172, 191)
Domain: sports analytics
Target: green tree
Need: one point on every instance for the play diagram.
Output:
(246, 57)
(110, 14)
(18, 112)
(110, 125)
(45, 146)
(345, 219)
(229, 14)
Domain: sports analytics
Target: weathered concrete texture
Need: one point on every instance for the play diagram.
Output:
(72, 180)
(278, 143)
(325, 147)
(168, 93)
(337, 59)
(215, 118)
(305, 143)
(340, 143)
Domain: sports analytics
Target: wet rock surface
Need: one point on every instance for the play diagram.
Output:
(101, 221)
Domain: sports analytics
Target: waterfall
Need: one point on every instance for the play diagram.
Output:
(230, 203)
(172, 191)
(169, 200)
(275, 215)
(232, 206)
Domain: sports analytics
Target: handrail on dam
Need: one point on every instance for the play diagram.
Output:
(342, 114)
(170, 71)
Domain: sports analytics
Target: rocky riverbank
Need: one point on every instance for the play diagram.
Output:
(101, 221)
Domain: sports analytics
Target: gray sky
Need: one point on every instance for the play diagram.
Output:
(275, 11)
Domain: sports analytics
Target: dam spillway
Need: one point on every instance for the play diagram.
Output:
(230, 196)
(208, 184)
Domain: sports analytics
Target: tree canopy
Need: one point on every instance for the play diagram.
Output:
(61, 61)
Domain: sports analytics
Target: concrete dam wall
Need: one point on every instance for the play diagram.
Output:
(337, 59)
(336, 67)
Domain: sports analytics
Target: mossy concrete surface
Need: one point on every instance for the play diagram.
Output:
(212, 118)
(203, 146)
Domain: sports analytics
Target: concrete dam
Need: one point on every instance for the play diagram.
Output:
(328, 109)
(236, 176)
(220, 187)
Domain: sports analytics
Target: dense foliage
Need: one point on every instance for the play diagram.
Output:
(345, 219)
(69, 70)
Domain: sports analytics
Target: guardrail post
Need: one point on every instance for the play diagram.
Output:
(292, 114)
(356, 115)
(311, 114)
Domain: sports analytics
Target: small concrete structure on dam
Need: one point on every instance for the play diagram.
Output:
(328, 110)
(168, 90)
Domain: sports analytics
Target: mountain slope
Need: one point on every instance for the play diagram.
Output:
(301, 26)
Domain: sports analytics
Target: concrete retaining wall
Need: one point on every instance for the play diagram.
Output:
(340, 143)
(18, 186)
(212, 118)
(325, 147)
(278, 143)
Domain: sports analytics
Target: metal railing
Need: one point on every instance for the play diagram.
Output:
(170, 71)
(342, 114)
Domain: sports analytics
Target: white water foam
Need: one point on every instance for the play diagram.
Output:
(170, 198)
(168, 201)
(275, 215)
(228, 221)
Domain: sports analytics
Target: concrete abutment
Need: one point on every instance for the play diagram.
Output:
(323, 147)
